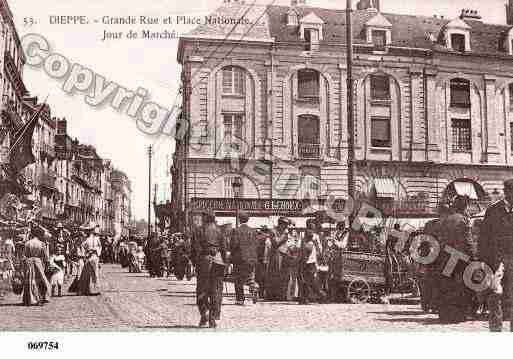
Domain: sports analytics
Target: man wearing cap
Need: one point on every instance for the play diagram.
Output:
(210, 250)
(496, 248)
(243, 248)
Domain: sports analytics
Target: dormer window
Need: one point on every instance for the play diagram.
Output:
(457, 35)
(310, 31)
(312, 39)
(458, 42)
(292, 18)
(379, 38)
(378, 32)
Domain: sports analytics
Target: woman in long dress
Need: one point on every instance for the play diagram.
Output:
(89, 280)
(36, 289)
(79, 257)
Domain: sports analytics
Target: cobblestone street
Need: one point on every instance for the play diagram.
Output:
(135, 301)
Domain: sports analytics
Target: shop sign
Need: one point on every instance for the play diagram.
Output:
(264, 206)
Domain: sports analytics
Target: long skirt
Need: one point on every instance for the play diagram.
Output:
(88, 283)
(73, 288)
(278, 276)
(36, 289)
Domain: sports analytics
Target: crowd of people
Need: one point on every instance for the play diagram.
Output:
(38, 261)
(283, 263)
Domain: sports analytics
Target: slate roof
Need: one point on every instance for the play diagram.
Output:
(407, 30)
(254, 27)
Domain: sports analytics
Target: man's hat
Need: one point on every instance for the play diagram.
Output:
(243, 216)
(283, 220)
(59, 225)
(88, 226)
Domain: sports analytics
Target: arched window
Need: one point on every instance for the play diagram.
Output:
(233, 81)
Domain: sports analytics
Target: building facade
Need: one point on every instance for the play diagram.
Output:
(268, 109)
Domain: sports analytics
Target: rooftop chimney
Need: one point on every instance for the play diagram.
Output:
(468, 14)
(509, 13)
(368, 4)
(298, 3)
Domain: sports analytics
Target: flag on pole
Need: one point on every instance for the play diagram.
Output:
(20, 153)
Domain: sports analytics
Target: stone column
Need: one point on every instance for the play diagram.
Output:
(432, 126)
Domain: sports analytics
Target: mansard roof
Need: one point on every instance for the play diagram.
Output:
(311, 18)
(269, 24)
(378, 21)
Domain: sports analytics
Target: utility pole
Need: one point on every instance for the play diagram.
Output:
(155, 202)
(350, 104)
(150, 154)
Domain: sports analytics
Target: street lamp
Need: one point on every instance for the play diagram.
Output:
(236, 185)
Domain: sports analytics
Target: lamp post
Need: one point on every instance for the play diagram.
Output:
(236, 185)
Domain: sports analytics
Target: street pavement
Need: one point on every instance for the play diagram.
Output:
(136, 302)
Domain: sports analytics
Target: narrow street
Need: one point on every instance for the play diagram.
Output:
(137, 302)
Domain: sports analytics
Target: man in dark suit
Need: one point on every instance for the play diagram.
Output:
(496, 247)
(210, 251)
(243, 247)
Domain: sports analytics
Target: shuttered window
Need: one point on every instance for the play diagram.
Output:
(233, 81)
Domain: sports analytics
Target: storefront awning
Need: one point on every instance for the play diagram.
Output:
(385, 188)
(465, 189)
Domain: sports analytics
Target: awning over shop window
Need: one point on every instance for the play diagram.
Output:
(465, 189)
(385, 188)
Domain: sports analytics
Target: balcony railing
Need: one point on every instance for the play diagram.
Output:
(309, 150)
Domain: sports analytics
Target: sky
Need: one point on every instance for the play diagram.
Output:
(150, 64)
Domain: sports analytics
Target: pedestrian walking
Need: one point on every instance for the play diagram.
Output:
(88, 283)
(243, 249)
(36, 289)
(496, 250)
(210, 249)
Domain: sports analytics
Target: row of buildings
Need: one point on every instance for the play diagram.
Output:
(68, 181)
(433, 110)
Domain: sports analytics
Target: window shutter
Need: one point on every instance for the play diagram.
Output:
(227, 80)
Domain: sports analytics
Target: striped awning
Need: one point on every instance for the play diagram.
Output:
(385, 188)
(465, 189)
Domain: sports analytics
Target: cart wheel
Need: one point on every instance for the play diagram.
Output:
(358, 291)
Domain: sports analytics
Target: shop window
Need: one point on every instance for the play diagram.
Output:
(460, 93)
(308, 84)
(380, 87)
(458, 42)
(233, 81)
(380, 132)
(461, 135)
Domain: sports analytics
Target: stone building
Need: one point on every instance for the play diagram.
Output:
(433, 109)
(121, 197)
(13, 90)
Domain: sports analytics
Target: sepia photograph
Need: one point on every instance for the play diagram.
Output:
(259, 166)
